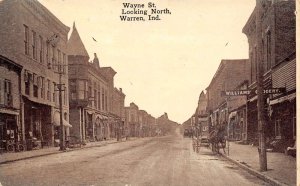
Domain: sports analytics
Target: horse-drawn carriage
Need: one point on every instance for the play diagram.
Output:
(217, 138)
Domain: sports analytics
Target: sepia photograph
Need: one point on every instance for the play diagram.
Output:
(148, 92)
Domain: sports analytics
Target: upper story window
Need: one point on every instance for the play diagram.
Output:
(102, 99)
(33, 44)
(26, 39)
(41, 52)
(60, 67)
(73, 89)
(5, 92)
(48, 90)
(48, 55)
(53, 58)
(42, 84)
(64, 59)
(54, 92)
(268, 50)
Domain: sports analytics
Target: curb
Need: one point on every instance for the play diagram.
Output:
(256, 173)
(57, 152)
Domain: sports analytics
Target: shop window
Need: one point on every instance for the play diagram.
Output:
(278, 128)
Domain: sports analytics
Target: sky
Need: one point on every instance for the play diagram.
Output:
(162, 66)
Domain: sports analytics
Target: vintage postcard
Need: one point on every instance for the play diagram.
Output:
(148, 92)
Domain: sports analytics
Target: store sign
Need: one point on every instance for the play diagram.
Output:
(248, 92)
(235, 92)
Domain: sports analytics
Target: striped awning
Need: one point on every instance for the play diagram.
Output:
(56, 120)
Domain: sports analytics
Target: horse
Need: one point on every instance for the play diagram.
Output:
(217, 139)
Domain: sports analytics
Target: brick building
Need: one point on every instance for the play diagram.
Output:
(94, 112)
(34, 38)
(10, 103)
(279, 68)
(229, 75)
(132, 119)
(201, 114)
(118, 110)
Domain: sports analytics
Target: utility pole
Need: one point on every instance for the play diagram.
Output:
(62, 146)
(260, 82)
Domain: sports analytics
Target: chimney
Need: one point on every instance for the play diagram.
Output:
(120, 89)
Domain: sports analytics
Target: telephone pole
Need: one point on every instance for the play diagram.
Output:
(260, 95)
(62, 146)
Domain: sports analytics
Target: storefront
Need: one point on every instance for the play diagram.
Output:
(37, 121)
(283, 121)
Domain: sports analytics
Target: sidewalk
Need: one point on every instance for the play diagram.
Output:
(16, 156)
(281, 168)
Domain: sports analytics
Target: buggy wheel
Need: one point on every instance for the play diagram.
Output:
(20, 147)
(10, 148)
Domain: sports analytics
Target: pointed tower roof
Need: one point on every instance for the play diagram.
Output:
(75, 44)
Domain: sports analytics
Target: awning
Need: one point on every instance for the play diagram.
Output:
(232, 114)
(7, 111)
(56, 120)
(284, 98)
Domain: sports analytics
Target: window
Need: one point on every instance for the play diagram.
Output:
(54, 92)
(59, 67)
(42, 87)
(64, 63)
(53, 58)
(106, 100)
(95, 98)
(33, 44)
(48, 89)
(48, 55)
(278, 128)
(99, 100)
(73, 89)
(90, 95)
(35, 86)
(5, 92)
(41, 50)
(268, 50)
(27, 83)
(102, 99)
(81, 89)
(26, 39)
